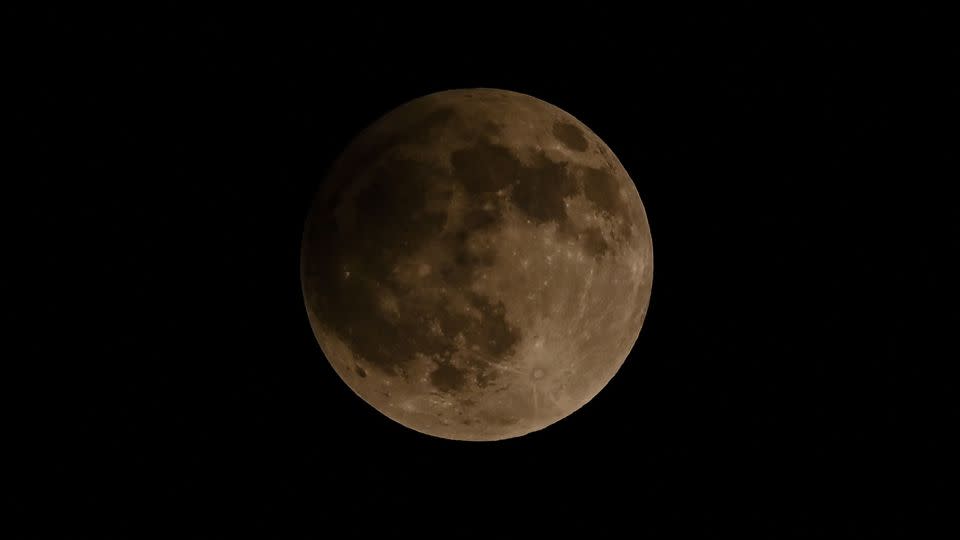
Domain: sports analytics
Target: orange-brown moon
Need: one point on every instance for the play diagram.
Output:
(477, 265)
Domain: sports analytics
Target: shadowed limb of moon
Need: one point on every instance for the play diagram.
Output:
(477, 265)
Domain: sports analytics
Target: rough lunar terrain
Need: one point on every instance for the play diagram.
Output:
(477, 265)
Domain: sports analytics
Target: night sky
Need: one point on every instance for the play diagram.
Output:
(787, 380)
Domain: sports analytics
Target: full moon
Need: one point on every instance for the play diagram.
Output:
(477, 264)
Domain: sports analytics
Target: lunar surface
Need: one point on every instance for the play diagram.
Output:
(477, 265)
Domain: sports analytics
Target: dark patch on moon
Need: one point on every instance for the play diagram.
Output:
(435, 119)
(448, 378)
(468, 257)
(392, 209)
(484, 379)
(491, 128)
(479, 218)
(594, 242)
(540, 190)
(570, 135)
(485, 167)
(603, 190)
(360, 371)
(494, 335)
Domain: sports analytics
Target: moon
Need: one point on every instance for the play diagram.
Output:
(477, 265)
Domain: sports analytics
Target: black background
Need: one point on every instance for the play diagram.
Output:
(787, 380)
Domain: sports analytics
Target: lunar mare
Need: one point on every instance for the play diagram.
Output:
(477, 265)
